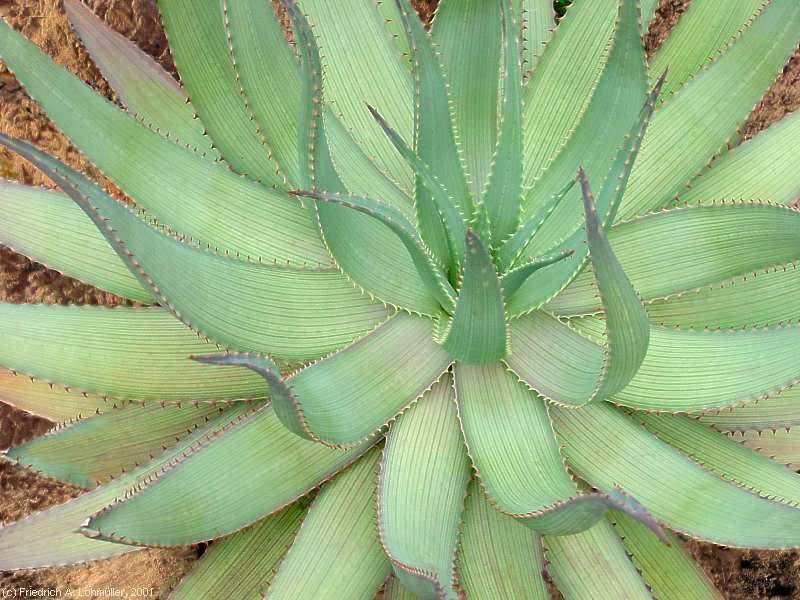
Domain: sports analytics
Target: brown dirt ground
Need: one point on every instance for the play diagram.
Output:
(742, 575)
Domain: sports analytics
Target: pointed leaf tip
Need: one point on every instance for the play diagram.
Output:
(628, 504)
(627, 326)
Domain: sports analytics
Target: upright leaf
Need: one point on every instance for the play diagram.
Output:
(573, 60)
(435, 139)
(539, 21)
(547, 283)
(350, 237)
(356, 38)
(194, 197)
(256, 38)
(143, 86)
(442, 223)
(613, 113)
(468, 35)
(627, 328)
(198, 39)
(503, 192)
(696, 123)
(427, 268)
(702, 32)
(478, 333)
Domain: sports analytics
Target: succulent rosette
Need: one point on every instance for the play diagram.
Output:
(423, 312)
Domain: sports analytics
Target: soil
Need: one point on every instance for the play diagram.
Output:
(741, 575)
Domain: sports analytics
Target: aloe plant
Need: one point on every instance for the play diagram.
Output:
(427, 313)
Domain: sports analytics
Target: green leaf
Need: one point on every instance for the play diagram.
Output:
(350, 237)
(679, 254)
(553, 360)
(613, 113)
(697, 122)
(94, 450)
(606, 448)
(513, 279)
(549, 282)
(697, 371)
(355, 39)
(684, 371)
(256, 38)
(468, 36)
(394, 590)
(512, 249)
(52, 402)
(51, 537)
(284, 401)
(511, 441)
(349, 395)
(648, 9)
(143, 86)
(516, 456)
(668, 570)
(781, 445)
(273, 304)
(427, 267)
(360, 174)
(498, 558)
(194, 197)
(478, 333)
(627, 328)
(338, 536)
(251, 470)
(243, 564)
(721, 455)
(434, 136)
(574, 61)
(352, 393)
(131, 353)
(503, 193)
(198, 33)
(423, 481)
(763, 168)
(778, 411)
(770, 295)
(539, 25)
(442, 222)
(593, 564)
(702, 32)
(47, 227)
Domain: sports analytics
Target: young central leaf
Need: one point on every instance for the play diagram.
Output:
(477, 334)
